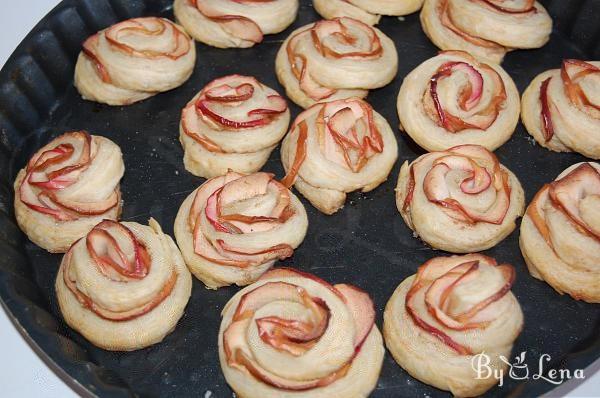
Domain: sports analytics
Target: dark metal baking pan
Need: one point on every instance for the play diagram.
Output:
(366, 243)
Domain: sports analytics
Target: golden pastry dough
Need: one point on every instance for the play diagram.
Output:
(455, 309)
(510, 23)
(560, 233)
(292, 334)
(232, 124)
(233, 23)
(68, 186)
(460, 200)
(337, 147)
(452, 99)
(124, 286)
(438, 26)
(335, 59)
(233, 228)
(367, 11)
(133, 60)
(561, 108)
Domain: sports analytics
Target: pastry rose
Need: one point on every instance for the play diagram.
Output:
(560, 233)
(291, 333)
(232, 124)
(454, 312)
(133, 60)
(335, 59)
(488, 29)
(561, 108)
(460, 200)
(123, 286)
(453, 99)
(438, 26)
(367, 11)
(234, 23)
(234, 227)
(68, 186)
(337, 147)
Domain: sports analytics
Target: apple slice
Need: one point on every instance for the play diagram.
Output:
(117, 252)
(547, 125)
(437, 293)
(471, 96)
(446, 20)
(206, 250)
(571, 72)
(343, 30)
(527, 7)
(87, 302)
(280, 251)
(362, 309)
(436, 189)
(285, 272)
(352, 131)
(568, 192)
(88, 209)
(43, 204)
(227, 93)
(89, 50)
(148, 27)
(292, 336)
(237, 25)
(299, 157)
(188, 119)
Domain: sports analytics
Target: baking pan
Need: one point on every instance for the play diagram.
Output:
(366, 243)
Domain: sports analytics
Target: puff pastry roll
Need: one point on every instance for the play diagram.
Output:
(134, 60)
(560, 233)
(488, 29)
(460, 200)
(68, 186)
(367, 11)
(454, 312)
(337, 147)
(123, 286)
(292, 334)
(561, 108)
(453, 99)
(335, 59)
(234, 23)
(234, 123)
(234, 227)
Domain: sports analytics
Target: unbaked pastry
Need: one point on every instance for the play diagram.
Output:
(337, 147)
(291, 334)
(234, 227)
(367, 11)
(561, 108)
(560, 233)
(455, 312)
(453, 99)
(232, 124)
(488, 29)
(68, 186)
(134, 60)
(124, 286)
(234, 23)
(335, 59)
(460, 200)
